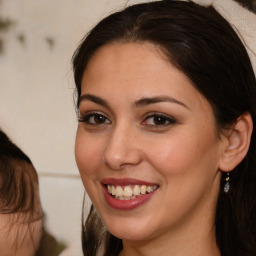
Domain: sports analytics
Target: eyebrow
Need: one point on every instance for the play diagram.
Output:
(138, 103)
(158, 99)
(94, 99)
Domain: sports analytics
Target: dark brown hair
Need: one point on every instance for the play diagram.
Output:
(18, 185)
(204, 46)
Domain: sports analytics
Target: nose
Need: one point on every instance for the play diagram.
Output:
(122, 149)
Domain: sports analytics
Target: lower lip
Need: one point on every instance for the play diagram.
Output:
(126, 204)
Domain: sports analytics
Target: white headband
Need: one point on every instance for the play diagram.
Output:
(242, 20)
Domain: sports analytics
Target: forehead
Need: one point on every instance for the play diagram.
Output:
(139, 58)
(135, 70)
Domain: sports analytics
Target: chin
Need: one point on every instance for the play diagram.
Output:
(129, 236)
(130, 231)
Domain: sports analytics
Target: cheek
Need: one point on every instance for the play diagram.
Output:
(88, 154)
(188, 167)
(17, 237)
(184, 155)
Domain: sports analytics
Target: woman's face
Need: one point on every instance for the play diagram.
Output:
(147, 146)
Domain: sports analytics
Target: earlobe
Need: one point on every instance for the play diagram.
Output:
(238, 138)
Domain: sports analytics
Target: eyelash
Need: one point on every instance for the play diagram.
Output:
(86, 118)
(167, 120)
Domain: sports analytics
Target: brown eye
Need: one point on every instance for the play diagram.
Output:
(98, 119)
(158, 120)
(94, 119)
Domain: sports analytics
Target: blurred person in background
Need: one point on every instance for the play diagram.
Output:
(20, 208)
(22, 231)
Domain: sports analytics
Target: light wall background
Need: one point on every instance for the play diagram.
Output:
(36, 97)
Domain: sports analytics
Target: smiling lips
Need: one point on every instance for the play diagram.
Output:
(127, 194)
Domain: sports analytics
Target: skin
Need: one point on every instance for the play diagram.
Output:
(182, 156)
(19, 238)
(20, 232)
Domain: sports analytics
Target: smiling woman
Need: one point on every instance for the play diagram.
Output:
(166, 111)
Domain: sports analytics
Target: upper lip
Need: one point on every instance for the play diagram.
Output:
(125, 182)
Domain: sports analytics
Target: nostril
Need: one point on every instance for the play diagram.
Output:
(117, 161)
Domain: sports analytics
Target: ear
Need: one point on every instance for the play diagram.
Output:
(238, 141)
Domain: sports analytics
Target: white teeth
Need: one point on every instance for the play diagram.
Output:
(143, 189)
(119, 191)
(113, 190)
(129, 192)
(149, 189)
(136, 190)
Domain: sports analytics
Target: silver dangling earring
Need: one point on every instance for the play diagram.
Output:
(227, 184)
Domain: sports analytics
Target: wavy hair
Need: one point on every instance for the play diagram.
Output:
(202, 44)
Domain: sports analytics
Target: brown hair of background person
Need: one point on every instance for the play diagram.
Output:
(20, 208)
